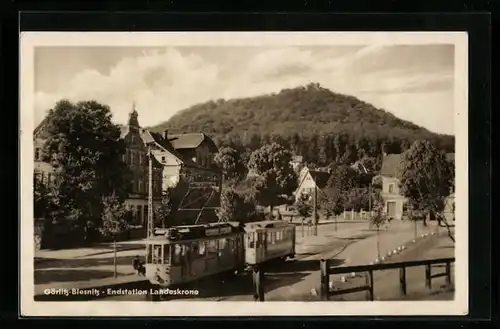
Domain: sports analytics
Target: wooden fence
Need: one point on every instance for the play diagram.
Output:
(326, 270)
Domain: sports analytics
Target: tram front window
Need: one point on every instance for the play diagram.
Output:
(158, 256)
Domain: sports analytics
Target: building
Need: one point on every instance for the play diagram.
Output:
(390, 171)
(394, 201)
(310, 180)
(175, 157)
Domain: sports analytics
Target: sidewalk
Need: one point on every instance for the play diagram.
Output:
(361, 250)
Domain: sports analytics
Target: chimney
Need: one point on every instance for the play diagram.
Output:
(165, 134)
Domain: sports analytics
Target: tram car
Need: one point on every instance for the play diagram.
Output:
(184, 254)
(267, 241)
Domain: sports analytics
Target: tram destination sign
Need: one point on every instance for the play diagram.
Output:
(218, 231)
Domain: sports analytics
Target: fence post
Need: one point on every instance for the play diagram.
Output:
(402, 280)
(428, 278)
(369, 283)
(325, 279)
(257, 276)
(448, 274)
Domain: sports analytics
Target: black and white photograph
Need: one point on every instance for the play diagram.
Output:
(325, 172)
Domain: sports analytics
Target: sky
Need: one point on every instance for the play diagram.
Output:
(414, 82)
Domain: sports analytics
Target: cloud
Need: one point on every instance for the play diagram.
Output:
(161, 82)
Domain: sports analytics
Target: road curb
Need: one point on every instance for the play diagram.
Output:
(399, 249)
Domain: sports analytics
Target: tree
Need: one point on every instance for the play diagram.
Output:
(426, 179)
(163, 210)
(303, 207)
(343, 179)
(378, 219)
(332, 201)
(236, 207)
(115, 221)
(85, 149)
(277, 177)
(231, 163)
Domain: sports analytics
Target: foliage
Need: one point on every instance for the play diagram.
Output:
(343, 179)
(331, 201)
(377, 182)
(340, 128)
(115, 217)
(236, 207)
(83, 146)
(41, 199)
(304, 207)
(426, 177)
(231, 163)
(163, 210)
(276, 175)
(266, 191)
(379, 216)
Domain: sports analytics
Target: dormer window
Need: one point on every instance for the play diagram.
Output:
(163, 159)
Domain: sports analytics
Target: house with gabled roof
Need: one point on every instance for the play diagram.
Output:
(173, 159)
(394, 201)
(309, 180)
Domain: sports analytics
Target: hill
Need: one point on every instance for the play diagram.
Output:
(309, 116)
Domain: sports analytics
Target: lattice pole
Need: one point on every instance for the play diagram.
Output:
(150, 194)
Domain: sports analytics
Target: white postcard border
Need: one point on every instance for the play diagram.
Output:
(30, 40)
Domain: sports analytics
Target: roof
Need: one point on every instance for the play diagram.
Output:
(319, 177)
(39, 129)
(265, 224)
(188, 141)
(391, 164)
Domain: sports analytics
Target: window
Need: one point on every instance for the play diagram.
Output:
(391, 188)
(211, 248)
(176, 257)
(251, 239)
(140, 218)
(139, 188)
(202, 249)
(146, 209)
(37, 154)
(166, 254)
(163, 159)
(157, 256)
(222, 244)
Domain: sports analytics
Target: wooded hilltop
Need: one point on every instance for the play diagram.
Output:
(322, 126)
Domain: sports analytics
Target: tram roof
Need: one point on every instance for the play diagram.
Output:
(193, 232)
(265, 224)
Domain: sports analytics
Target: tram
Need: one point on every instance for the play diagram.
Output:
(268, 241)
(183, 254)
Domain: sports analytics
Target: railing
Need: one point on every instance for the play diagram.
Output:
(326, 270)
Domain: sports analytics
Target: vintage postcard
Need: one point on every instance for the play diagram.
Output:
(244, 174)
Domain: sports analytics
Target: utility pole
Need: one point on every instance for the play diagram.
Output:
(315, 211)
(150, 194)
(370, 198)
